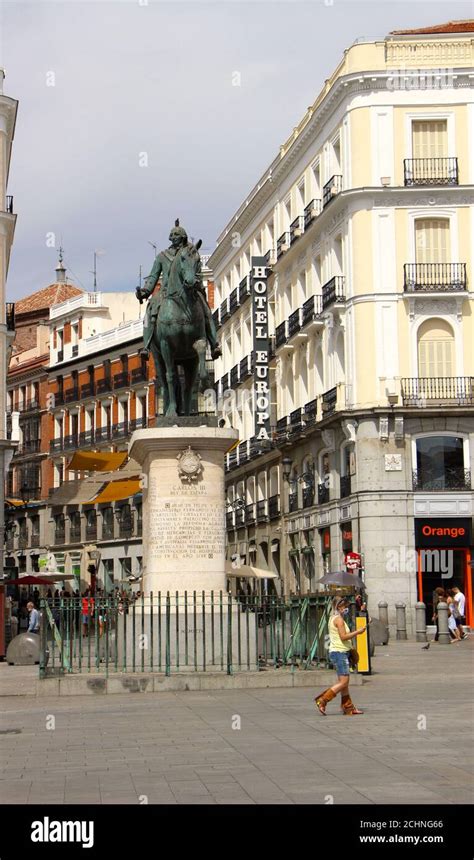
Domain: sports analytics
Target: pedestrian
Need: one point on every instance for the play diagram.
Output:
(34, 618)
(452, 611)
(85, 613)
(460, 616)
(340, 639)
(438, 596)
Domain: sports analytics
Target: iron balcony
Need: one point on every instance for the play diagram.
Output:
(86, 437)
(71, 395)
(294, 323)
(274, 507)
(9, 204)
(323, 494)
(329, 400)
(87, 390)
(262, 511)
(308, 496)
(333, 291)
(434, 277)
(121, 380)
(139, 374)
(332, 189)
(454, 478)
(120, 429)
(436, 390)
(10, 316)
(283, 244)
(281, 334)
(345, 484)
(296, 228)
(312, 210)
(430, 171)
(104, 385)
(309, 412)
(311, 309)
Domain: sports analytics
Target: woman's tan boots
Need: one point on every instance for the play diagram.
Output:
(348, 706)
(323, 699)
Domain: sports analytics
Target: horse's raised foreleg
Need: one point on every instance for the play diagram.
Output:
(200, 346)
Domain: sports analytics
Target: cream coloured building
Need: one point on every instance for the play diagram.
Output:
(8, 110)
(366, 222)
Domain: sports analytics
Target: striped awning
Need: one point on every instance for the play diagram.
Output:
(97, 461)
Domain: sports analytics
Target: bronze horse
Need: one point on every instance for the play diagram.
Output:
(179, 337)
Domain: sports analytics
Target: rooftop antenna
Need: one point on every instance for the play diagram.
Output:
(97, 253)
(155, 248)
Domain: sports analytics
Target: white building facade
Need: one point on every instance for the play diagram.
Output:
(366, 223)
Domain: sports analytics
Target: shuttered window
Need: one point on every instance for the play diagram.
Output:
(432, 240)
(430, 138)
(435, 349)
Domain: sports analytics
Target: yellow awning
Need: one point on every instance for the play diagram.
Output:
(97, 461)
(15, 502)
(117, 490)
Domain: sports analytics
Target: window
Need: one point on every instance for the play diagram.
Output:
(125, 520)
(75, 520)
(430, 138)
(435, 349)
(139, 518)
(431, 240)
(91, 524)
(125, 568)
(108, 574)
(440, 463)
(58, 474)
(59, 528)
(107, 523)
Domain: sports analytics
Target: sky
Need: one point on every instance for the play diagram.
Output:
(129, 116)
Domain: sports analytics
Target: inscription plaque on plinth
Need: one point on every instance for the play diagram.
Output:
(183, 506)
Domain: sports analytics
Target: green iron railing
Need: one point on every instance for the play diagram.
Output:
(188, 632)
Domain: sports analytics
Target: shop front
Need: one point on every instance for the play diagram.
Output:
(444, 553)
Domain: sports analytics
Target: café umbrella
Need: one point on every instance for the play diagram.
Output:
(342, 578)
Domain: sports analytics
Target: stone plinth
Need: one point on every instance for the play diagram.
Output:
(183, 506)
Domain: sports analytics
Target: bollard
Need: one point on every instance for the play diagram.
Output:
(420, 622)
(383, 613)
(401, 621)
(442, 610)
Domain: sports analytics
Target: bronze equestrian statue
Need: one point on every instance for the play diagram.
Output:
(178, 321)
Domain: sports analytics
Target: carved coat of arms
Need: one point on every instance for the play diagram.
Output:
(189, 465)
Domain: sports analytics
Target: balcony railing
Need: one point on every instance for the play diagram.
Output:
(234, 301)
(58, 398)
(234, 376)
(345, 486)
(431, 171)
(71, 442)
(139, 374)
(23, 542)
(126, 526)
(242, 452)
(224, 310)
(296, 422)
(323, 494)
(121, 380)
(309, 412)
(60, 536)
(294, 323)
(274, 507)
(120, 429)
(333, 291)
(312, 210)
(71, 395)
(103, 434)
(29, 405)
(56, 445)
(434, 277)
(250, 513)
(262, 511)
(308, 496)
(421, 391)
(75, 535)
(246, 367)
(104, 385)
(296, 228)
(454, 478)
(29, 446)
(332, 189)
(138, 423)
(9, 204)
(107, 531)
(329, 400)
(91, 532)
(293, 502)
(281, 429)
(87, 390)
(270, 257)
(216, 318)
(10, 316)
(283, 243)
(86, 437)
(229, 520)
(35, 540)
(281, 334)
(311, 309)
(244, 289)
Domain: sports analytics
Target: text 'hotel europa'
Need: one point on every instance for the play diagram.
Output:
(260, 347)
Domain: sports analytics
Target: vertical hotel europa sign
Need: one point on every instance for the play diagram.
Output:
(260, 349)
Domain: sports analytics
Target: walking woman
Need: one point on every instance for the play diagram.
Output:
(340, 643)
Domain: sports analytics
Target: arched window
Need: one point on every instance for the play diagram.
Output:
(435, 349)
